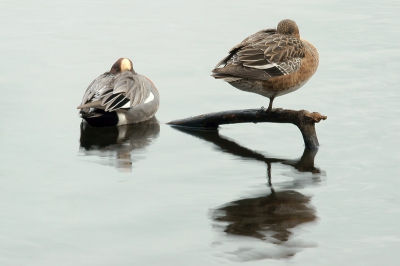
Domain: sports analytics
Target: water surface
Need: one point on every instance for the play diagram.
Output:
(154, 195)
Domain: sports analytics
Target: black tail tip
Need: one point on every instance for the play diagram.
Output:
(100, 118)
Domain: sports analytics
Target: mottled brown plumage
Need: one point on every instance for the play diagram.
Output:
(271, 62)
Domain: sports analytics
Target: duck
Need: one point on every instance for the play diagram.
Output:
(271, 62)
(119, 97)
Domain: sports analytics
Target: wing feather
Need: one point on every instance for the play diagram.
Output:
(262, 55)
(112, 105)
(119, 104)
(116, 91)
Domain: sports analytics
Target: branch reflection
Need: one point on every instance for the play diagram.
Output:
(117, 143)
(305, 164)
(271, 217)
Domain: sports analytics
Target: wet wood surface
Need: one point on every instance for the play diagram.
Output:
(303, 119)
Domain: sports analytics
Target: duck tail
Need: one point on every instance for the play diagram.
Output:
(100, 118)
(219, 73)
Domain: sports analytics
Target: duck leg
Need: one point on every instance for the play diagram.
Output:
(269, 177)
(270, 104)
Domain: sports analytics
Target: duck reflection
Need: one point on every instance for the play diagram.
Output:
(270, 218)
(117, 143)
(273, 216)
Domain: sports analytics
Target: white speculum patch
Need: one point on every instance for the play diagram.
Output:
(271, 65)
(150, 98)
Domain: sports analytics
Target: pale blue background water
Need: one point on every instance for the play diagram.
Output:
(63, 205)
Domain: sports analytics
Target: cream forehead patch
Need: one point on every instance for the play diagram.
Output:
(125, 65)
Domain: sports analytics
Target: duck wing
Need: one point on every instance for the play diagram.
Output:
(262, 55)
(99, 88)
(256, 37)
(111, 92)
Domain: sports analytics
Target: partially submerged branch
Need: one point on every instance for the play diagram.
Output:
(303, 119)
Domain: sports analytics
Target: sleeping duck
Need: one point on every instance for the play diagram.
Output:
(119, 96)
(271, 62)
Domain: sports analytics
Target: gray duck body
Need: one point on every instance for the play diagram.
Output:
(118, 97)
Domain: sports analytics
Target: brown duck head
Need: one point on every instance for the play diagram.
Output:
(288, 27)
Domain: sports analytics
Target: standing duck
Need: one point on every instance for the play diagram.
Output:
(119, 96)
(271, 62)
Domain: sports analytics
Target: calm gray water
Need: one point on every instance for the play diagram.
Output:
(153, 195)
